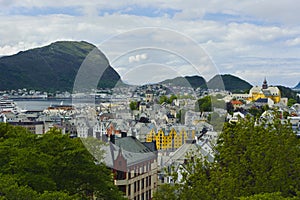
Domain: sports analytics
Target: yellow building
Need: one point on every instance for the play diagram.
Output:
(265, 91)
(168, 139)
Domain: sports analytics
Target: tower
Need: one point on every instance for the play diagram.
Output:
(265, 84)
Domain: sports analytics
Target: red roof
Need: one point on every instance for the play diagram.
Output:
(236, 102)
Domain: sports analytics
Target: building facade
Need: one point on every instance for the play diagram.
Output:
(265, 91)
(134, 167)
(168, 140)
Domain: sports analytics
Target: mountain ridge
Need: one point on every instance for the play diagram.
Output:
(50, 68)
(231, 83)
(187, 81)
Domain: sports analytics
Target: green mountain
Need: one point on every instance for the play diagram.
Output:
(187, 81)
(288, 92)
(51, 68)
(231, 83)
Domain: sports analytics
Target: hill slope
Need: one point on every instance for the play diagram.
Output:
(231, 83)
(50, 68)
(288, 92)
(187, 81)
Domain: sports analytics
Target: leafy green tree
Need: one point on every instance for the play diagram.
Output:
(46, 165)
(204, 104)
(268, 196)
(165, 99)
(291, 102)
(10, 189)
(133, 105)
(172, 98)
(252, 159)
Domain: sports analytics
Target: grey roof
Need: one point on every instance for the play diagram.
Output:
(131, 149)
(131, 144)
(180, 154)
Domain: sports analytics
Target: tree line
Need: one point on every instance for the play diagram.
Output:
(50, 166)
(252, 161)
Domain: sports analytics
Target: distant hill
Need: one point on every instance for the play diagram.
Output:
(288, 92)
(50, 68)
(187, 81)
(297, 87)
(231, 83)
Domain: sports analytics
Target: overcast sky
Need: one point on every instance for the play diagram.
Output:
(251, 39)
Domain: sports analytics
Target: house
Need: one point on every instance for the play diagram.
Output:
(142, 107)
(178, 159)
(167, 139)
(236, 117)
(170, 118)
(149, 96)
(36, 127)
(236, 104)
(134, 167)
(264, 101)
(295, 121)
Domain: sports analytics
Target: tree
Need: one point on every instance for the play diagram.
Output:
(165, 99)
(52, 163)
(133, 105)
(268, 196)
(252, 159)
(172, 98)
(291, 102)
(204, 104)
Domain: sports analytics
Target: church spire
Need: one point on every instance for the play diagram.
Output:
(265, 84)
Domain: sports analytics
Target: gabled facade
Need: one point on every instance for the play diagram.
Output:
(167, 140)
(134, 167)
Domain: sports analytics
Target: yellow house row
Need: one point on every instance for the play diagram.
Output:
(169, 140)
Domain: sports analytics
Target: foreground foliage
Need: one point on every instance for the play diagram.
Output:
(253, 162)
(50, 166)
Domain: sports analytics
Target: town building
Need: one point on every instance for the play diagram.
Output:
(134, 166)
(168, 139)
(265, 91)
(37, 127)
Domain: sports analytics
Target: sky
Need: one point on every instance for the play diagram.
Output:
(148, 41)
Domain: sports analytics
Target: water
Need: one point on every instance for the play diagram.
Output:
(40, 104)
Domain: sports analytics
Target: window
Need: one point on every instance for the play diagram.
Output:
(122, 188)
(129, 190)
(143, 194)
(142, 183)
(129, 175)
(121, 175)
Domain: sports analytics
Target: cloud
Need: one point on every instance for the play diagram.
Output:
(293, 42)
(247, 35)
(137, 58)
